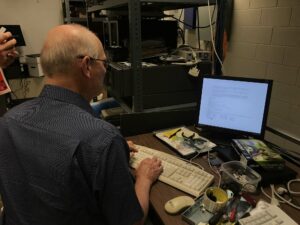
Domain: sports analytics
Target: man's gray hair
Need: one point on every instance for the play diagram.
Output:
(58, 55)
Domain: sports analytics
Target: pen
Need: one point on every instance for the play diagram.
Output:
(172, 135)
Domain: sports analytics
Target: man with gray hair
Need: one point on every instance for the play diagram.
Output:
(59, 163)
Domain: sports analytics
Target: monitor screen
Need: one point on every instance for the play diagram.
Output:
(234, 104)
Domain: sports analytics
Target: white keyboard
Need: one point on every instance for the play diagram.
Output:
(178, 173)
(269, 216)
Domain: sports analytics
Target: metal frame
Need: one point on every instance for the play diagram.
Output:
(68, 18)
(220, 36)
(134, 9)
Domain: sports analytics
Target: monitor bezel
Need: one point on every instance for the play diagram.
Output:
(233, 132)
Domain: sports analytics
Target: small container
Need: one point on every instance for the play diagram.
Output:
(240, 175)
(219, 201)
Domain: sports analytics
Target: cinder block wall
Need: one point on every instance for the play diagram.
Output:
(265, 43)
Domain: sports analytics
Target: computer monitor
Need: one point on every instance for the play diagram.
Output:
(234, 105)
(16, 32)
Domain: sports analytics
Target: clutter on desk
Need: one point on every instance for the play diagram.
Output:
(265, 214)
(282, 174)
(235, 208)
(256, 153)
(214, 199)
(184, 141)
(240, 175)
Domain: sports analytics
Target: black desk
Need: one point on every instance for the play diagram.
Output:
(161, 192)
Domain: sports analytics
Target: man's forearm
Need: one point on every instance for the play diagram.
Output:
(142, 189)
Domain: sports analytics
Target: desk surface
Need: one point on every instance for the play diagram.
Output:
(161, 192)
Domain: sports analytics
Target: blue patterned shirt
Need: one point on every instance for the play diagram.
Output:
(61, 165)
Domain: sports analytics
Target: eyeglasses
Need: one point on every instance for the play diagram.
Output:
(104, 61)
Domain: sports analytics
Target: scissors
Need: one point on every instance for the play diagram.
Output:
(193, 141)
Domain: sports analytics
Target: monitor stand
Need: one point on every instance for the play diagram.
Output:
(218, 137)
(223, 141)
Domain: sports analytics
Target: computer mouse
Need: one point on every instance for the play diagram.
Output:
(178, 204)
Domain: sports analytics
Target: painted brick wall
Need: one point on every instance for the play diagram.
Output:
(265, 43)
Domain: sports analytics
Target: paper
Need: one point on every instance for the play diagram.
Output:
(4, 87)
(184, 141)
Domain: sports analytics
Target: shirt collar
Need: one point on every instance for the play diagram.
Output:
(68, 96)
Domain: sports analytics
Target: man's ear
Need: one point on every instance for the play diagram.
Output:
(86, 66)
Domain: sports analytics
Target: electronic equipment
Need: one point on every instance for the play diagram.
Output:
(16, 33)
(110, 33)
(34, 65)
(194, 54)
(177, 172)
(153, 43)
(163, 85)
(234, 105)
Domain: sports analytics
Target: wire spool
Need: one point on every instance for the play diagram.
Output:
(214, 199)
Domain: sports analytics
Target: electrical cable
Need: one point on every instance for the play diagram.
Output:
(286, 201)
(215, 171)
(212, 37)
(201, 27)
(274, 200)
(281, 199)
(195, 156)
(14, 93)
(289, 188)
(186, 63)
(181, 33)
(268, 196)
(188, 161)
(179, 20)
(198, 29)
(180, 14)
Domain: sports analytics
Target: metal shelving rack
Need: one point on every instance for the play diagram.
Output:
(67, 14)
(134, 13)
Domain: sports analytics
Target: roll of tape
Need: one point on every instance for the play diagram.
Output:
(214, 199)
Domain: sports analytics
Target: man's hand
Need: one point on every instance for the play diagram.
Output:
(132, 148)
(149, 170)
(8, 52)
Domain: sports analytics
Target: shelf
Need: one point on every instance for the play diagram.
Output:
(75, 19)
(163, 5)
(135, 9)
